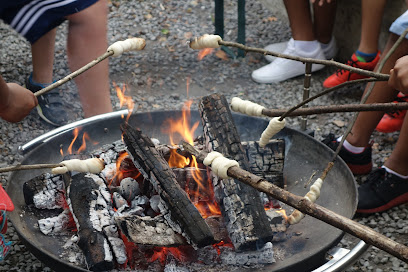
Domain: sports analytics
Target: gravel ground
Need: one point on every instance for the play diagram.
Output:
(157, 78)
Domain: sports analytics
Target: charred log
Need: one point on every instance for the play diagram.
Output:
(267, 162)
(92, 242)
(241, 205)
(45, 192)
(154, 168)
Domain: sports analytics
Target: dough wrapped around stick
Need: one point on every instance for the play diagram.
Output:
(205, 41)
(246, 107)
(219, 164)
(274, 127)
(132, 44)
(92, 165)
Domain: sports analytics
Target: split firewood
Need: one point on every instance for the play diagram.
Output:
(175, 202)
(304, 205)
(241, 205)
(116, 49)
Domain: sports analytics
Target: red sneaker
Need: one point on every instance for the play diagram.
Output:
(341, 76)
(392, 121)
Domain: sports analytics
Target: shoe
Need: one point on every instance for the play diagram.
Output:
(3, 222)
(392, 121)
(381, 192)
(50, 107)
(282, 69)
(359, 164)
(329, 51)
(341, 76)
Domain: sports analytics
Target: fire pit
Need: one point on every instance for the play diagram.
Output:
(307, 242)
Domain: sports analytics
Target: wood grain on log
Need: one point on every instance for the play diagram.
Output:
(241, 206)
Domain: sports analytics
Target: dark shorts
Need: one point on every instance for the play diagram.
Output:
(34, 18)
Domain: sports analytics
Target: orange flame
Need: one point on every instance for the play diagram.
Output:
(283, 213)
(204, 52)
(124, 100)
(82, 148)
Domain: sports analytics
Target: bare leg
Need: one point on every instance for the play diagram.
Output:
(300, 20)
(42, 52)
(87, 39)
(324, 17)
(398, 160)
(371, 14)
(367, 121)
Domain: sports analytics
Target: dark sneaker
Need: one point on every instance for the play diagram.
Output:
(359, 164)
(341, 76)
(392, 121)
(381, 192)
(50, 107)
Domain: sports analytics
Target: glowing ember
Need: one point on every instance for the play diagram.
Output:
(283, 213)
(204, 52)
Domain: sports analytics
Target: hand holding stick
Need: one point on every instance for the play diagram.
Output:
(116, 49)
(366, 234)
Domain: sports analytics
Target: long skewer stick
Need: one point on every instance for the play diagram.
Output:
(302, 204)
(132, 44)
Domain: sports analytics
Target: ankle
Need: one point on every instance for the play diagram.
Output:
(306, 46)
(398, 174)
(364, 56)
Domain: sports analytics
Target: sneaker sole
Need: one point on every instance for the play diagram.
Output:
(360, 169)
(395, 202)
(40, 113)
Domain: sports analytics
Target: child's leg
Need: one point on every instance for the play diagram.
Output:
(300, 20)
(398, 160)
(367, 121)
(87, 39)
(42, 52)
(324, 17)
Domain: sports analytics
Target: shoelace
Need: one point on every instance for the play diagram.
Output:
(377, 178)
(395, 113)
(351, 63)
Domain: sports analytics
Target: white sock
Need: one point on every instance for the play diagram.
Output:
(350, 147)
(393, 172)
(306, 46)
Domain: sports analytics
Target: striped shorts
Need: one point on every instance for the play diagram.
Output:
(34, 18)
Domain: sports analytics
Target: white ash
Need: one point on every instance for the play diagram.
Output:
(262, 256)
(118, 249)
(140, 200)
(51, 197)
(154, 203)
(54, 225)
(109, 172)
(72, 252)
(119, 201)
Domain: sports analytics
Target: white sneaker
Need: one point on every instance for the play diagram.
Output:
(282, 69)
(329, 51)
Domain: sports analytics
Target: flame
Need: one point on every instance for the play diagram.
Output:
(82, 148)
(204, 52)
(160, 253)
(124, 100)
(283, 213)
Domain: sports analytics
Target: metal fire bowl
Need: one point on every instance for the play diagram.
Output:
(310, 240)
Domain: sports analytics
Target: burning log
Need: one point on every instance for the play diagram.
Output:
(304, 205)
(154, 168)
(241, 205)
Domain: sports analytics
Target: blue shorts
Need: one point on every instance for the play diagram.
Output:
(400, 24)
(34, 18)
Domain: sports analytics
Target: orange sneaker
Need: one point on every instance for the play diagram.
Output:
(341, 76)
(392, 121)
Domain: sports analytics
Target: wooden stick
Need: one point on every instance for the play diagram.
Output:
(365, 233)
(338, 108)
(116, 49)
(339, 65)
(29, 167)
(74, 74)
